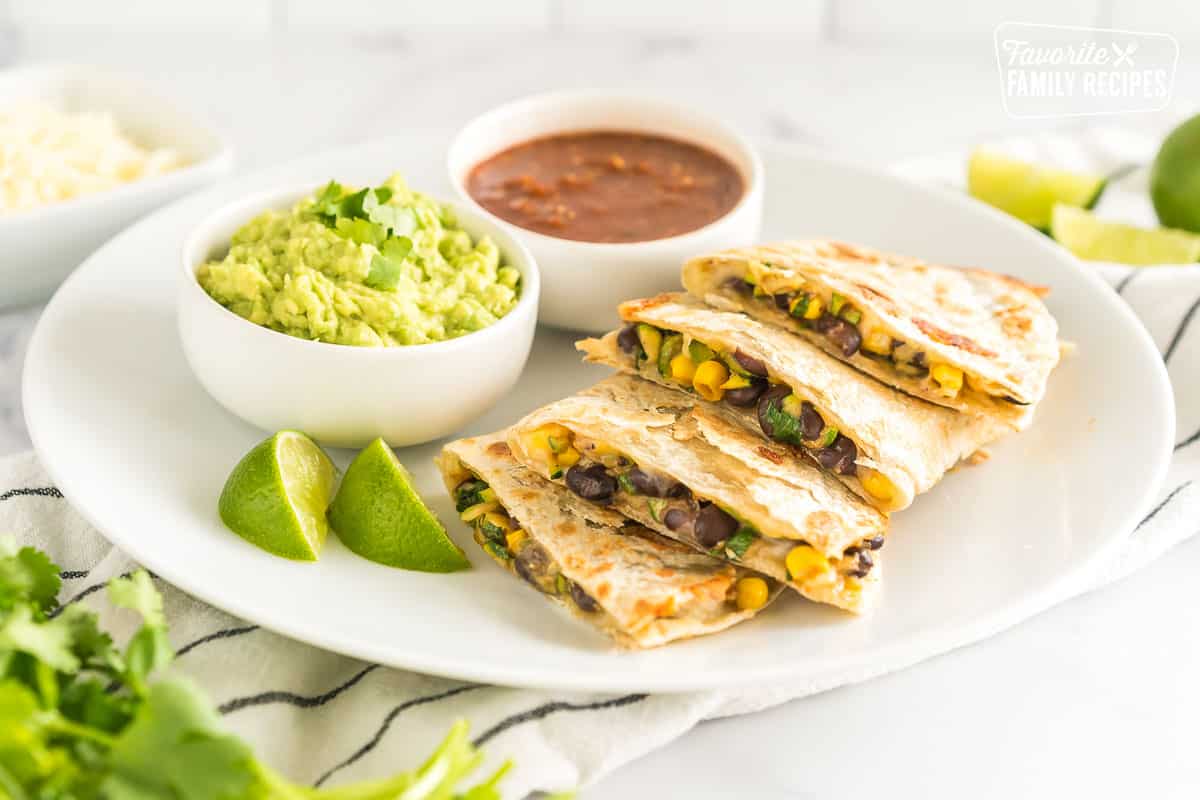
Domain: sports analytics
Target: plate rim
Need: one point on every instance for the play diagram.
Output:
(849, 668)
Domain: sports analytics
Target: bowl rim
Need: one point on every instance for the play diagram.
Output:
(754, 181)
(219, 159)
(192, 255)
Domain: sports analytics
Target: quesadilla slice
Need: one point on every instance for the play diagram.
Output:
(883, 444)
(963, 338)
(640, 588)
(688, 472)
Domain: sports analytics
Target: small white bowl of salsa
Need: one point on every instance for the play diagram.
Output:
(611, 193)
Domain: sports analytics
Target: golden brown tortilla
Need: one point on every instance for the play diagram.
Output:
(909, 441)
(993, 327)
(789, 501)
(650, 590)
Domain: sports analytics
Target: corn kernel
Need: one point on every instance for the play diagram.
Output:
(814, 308)
(568, 457)
(514, 539)
(537, 442)
(803, 563)
(877, 485)
(878, 342)
(735, 382)
(471, 512)
(792, 406)
(683, 369)
(708, 379)
(752, 593)
(949, 378)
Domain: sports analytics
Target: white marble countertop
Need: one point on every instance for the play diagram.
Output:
(1095, 698)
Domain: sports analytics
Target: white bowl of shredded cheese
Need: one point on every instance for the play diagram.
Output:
(83, 154)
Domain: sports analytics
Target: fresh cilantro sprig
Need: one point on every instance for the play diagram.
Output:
(81, 717)
(366, 217)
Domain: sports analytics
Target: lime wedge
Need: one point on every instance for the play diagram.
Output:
(379, 515)
(1175, 178)
(276, 496)
(1026, 191)
(1095, 239)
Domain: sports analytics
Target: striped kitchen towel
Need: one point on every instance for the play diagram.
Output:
(323, 718)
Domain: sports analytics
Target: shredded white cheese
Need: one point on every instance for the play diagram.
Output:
(48, 156)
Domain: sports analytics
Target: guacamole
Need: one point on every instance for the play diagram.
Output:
(374, 267)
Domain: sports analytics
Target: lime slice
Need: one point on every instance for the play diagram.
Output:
(276, 496)
(1095, 239)
(379, 515)
(1175, 178)
(1026, 191)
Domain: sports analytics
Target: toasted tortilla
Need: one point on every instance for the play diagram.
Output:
(993, 327)
(650, 590)
(910, 442)
(788, 501)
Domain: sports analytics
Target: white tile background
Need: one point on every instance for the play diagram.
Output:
(864, 21)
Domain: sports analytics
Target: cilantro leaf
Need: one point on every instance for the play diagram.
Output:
(28, 576)
(90, 645)
(49, 642)
(328, 202)
(400, 222)
(88, 703)
(137, 593)
(174, 747)
(387, 265)
(737, 545)
(361, 231)
(356, 205)
(146, 652)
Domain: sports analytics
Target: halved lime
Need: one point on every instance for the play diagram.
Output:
(1094, 239)
(277, 494)
(1175, 178)
(1027, 191)
(379, 515)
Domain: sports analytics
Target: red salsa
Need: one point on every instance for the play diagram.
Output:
(607, 186)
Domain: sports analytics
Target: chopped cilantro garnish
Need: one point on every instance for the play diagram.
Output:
(784, 427)
(737, 544)
(388, 265)
(365, 217)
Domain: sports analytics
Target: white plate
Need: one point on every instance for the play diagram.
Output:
(142, 452)
(40, 247)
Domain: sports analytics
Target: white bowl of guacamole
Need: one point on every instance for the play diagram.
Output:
(356, 312)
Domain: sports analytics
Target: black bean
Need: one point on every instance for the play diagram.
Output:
(782, 301)
(859, 572)
(839, 457)
(875, 542)
(774, 395)
(627, 339)
(583, 599)
(746, 396)
(530, 563)
(655, 485)
(751, 364)
(845, 336)
(864, 560)
(811, 423)
(825, 322)
(852, 551)
(713, 526)
(679, 492)
(919, 360)
(740, 286)
(676, 518)
(592, 483)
